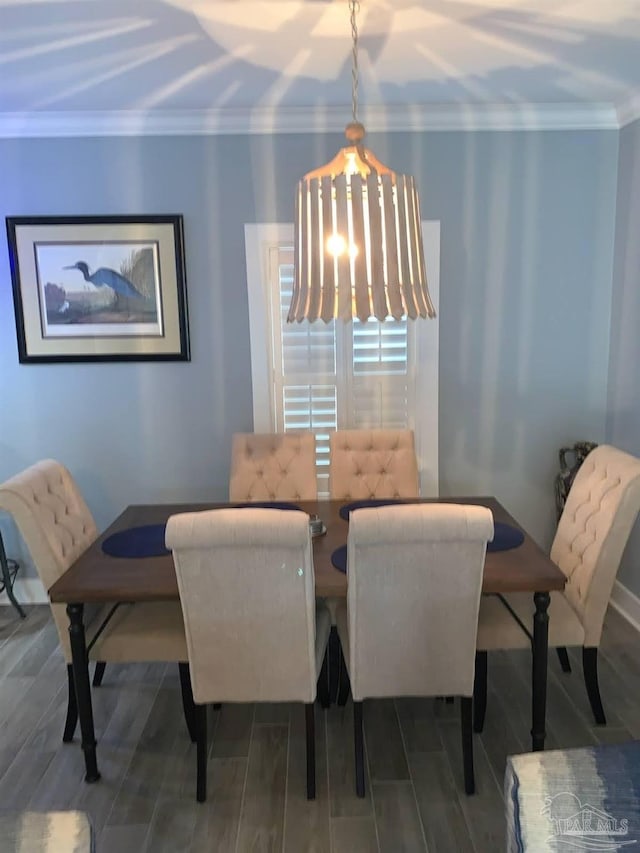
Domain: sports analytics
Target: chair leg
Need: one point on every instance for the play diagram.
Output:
(200, 714)
(466, 714)
(358, 736)
(333, 655)
(344, 685)
(590, 670)
(323, 683)
(311, 750)
(480, 692)
(72, 708)
(98, 673)
(563, 657)
(188, 704)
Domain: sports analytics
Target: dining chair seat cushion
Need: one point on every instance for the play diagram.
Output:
(141, 632)
(497, 628)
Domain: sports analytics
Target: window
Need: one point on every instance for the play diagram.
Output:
(325, 376)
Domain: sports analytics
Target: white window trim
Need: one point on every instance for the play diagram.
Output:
(259, 239)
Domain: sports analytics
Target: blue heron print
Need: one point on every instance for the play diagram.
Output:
(114, 283)
(106, 277)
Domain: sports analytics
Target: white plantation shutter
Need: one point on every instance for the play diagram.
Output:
(305, 382)
(335, 375)
(326, 376)
(381, 378)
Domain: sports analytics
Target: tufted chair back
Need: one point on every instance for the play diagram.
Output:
(258, 643)
(372, 463)
(595, 525)
(273, 466)
(415, 577)
(54, 522)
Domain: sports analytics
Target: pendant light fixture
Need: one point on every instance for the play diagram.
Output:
(358, 240)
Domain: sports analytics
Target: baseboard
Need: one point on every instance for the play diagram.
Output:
(627, 604)
(27, 591)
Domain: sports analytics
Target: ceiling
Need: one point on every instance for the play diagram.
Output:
(241, 60)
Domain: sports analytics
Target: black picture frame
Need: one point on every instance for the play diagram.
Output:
(99, 288)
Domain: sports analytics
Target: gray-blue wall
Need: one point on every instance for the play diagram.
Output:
(525, 297)
(623, 422)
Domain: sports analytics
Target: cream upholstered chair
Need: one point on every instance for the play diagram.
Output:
(57, 527)
(273, 466)
(408, 627)
(593, 530)
(372, 463)
(265, 638)
(363, 464)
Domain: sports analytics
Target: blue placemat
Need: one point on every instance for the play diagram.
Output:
(339, 559)
(146, 541)
(347, 508)
(505, 537)
(265, 505)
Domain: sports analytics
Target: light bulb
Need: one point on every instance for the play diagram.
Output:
(351, 167)
(337, 246)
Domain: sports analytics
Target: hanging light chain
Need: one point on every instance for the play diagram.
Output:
(354, 8)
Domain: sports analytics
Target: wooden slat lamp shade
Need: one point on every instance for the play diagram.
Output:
(358, 241)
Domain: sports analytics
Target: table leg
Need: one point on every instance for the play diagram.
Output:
(539, 669)
(80, 663)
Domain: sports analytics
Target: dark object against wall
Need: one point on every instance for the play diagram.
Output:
(577, 454)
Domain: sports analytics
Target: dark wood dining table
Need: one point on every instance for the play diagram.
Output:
(98, 577)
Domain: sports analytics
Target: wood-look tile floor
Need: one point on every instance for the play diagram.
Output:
(145, 800)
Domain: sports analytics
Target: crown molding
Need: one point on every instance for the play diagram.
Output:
(628, 111)
(265, 120)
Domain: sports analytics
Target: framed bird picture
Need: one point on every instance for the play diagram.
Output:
(99, 288)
